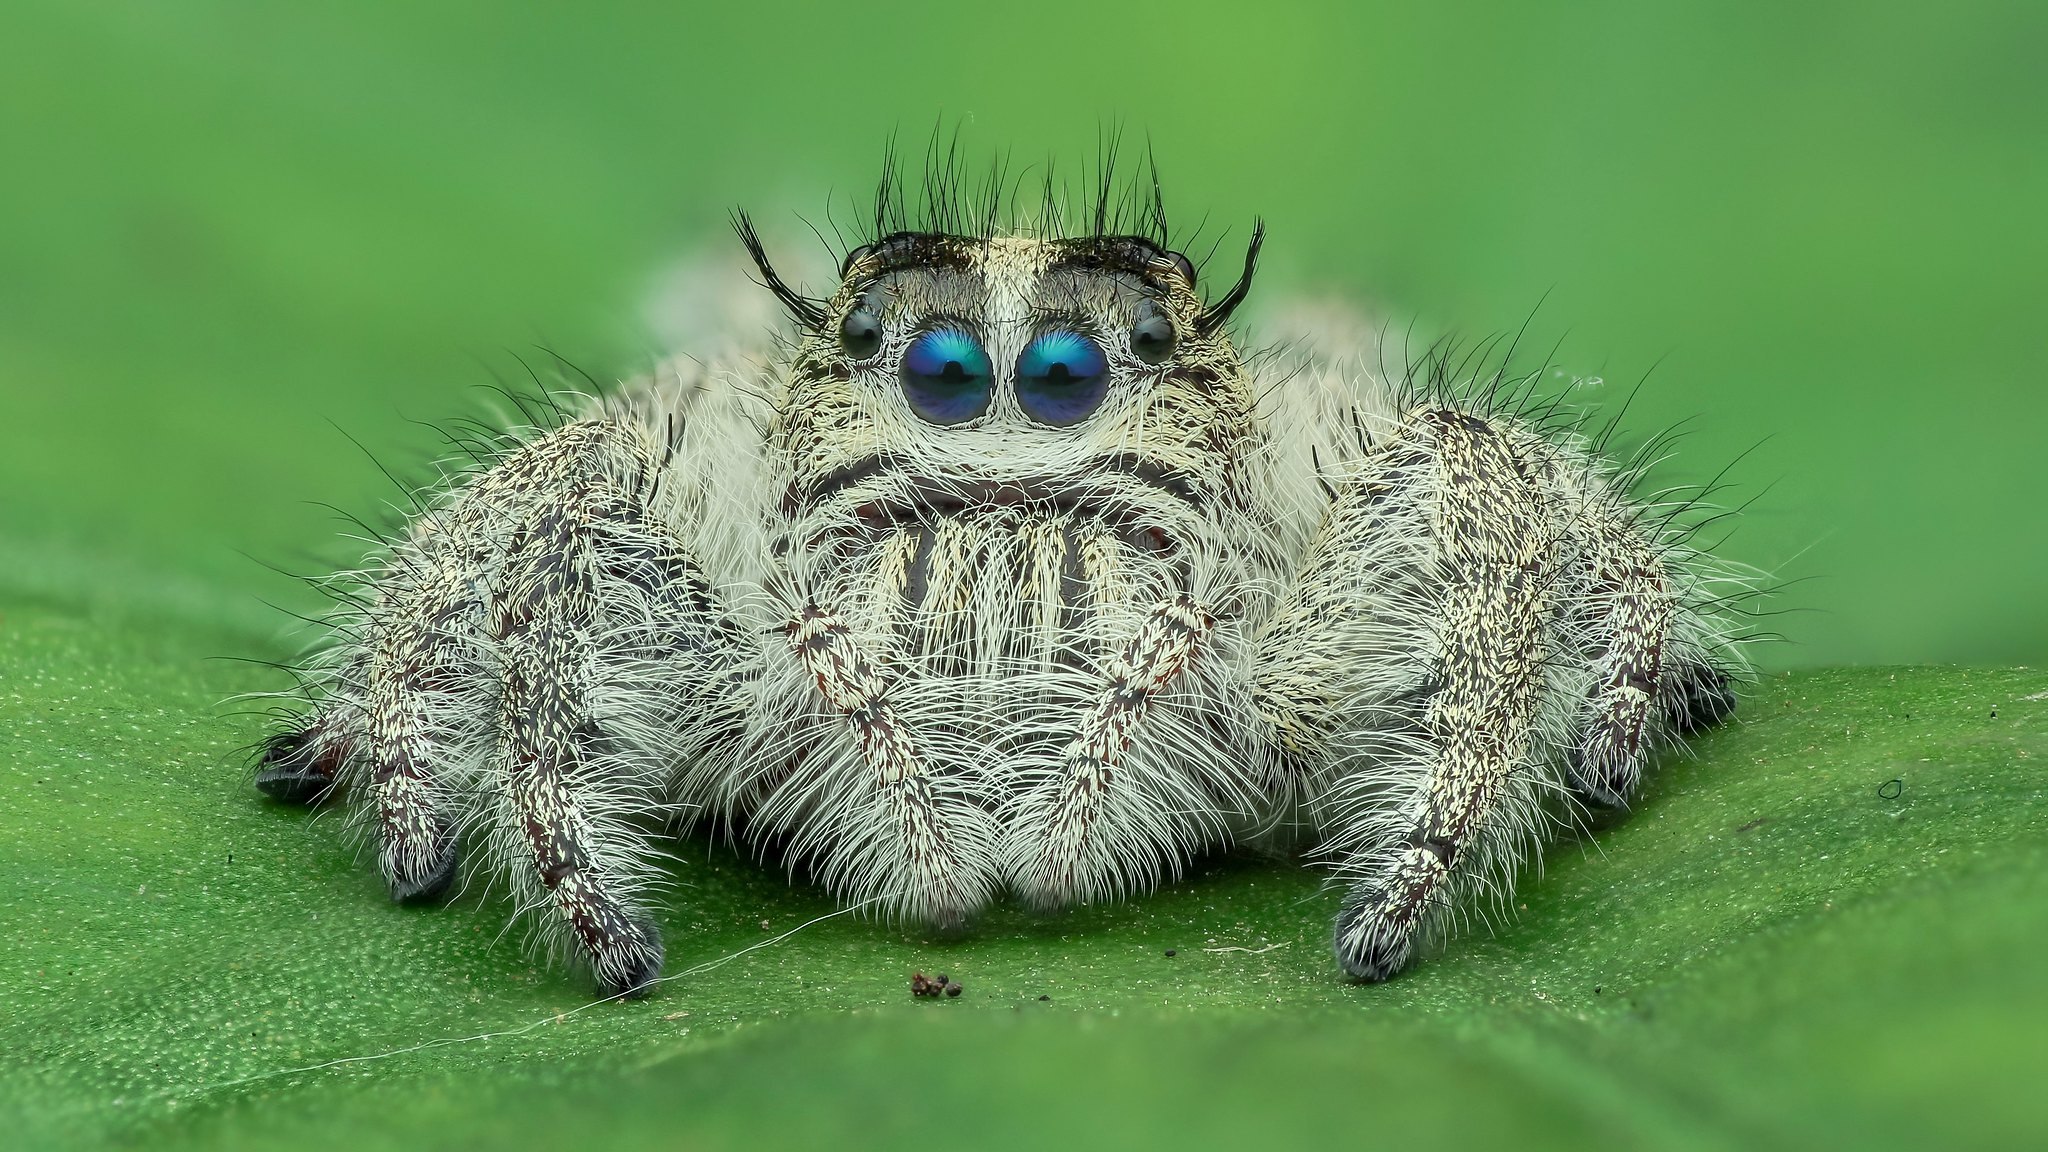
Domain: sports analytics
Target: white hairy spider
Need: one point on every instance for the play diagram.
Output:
(1005, 572)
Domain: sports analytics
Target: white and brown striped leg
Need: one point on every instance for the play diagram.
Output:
(421, 654)
(1063, 851)
(615, 671)
(902, 849)
(1628, 618)
(389, 729)
(1492, 554)
(1625, 614)
(1405, 675)
(548, 742)
(536, 662)
(386, 729)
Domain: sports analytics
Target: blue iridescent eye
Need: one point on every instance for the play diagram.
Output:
(1061, 377)
(946, 375)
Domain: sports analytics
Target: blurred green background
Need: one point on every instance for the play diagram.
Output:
(226, 228)
(233, 236)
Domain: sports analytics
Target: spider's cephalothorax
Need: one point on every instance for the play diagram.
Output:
(1005, 574)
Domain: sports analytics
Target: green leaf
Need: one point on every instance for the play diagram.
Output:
(1825, 926)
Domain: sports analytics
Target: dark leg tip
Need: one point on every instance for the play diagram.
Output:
(1597, 789)
(432, 886)
(291, 773)
(1369, 953)
(1705, 699)
(634, 975)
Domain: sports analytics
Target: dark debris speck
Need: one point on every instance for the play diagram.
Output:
(941, 985)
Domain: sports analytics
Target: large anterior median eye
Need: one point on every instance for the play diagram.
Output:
(1061, 377)
(946, 375)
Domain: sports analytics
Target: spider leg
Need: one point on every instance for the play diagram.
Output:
(297, 767)
(547, 745)
(539, 660)
(1626, 609)
(1653, 671)
(616, 670)
(902, 841)
(1481, 722)
(1407, 671)
(1481, 620)
(1066, 844)
(416, 669)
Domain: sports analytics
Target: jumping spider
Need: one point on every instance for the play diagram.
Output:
(1004, 571)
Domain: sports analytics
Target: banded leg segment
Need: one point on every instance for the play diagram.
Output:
(540, 661)
(1066, 851)
(417, 659)
(1405, 675)
(1492, 544)
(1625, 617)
(547, 742)
(387, 731)
(905, 851)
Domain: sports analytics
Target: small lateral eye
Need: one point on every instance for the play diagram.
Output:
(1152, 337)
(947, 375)
(1061, 377)
(860, 334)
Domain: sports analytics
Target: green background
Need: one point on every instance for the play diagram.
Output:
(226, 225)
(235, 235)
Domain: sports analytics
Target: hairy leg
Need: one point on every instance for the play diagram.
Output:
(903, 848)
(1655, 668)
(1480, 724)
(537, 659)
(1624, 617)
(1481, 621)
(1406, 673)
(1064, 845)
(545, 750)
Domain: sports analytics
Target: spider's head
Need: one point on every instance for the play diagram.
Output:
(1013, 369)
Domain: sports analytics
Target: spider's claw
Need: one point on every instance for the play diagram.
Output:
(1597, 789)
(1704, 699)
(1368, 948)
(293, 771)
(429, 884)
(633, 975)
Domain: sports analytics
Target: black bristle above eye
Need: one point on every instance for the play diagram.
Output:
(1217, 315)
(808, 312)
(1115, 223)
(954, 203)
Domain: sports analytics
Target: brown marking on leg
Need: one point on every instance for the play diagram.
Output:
(1487, 519)
(854, 686)
(1133, 676)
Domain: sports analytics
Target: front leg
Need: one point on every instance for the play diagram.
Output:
(528, 673)
(1482, 624)
(1406, 672)
(897, 835)
(1088, 830)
